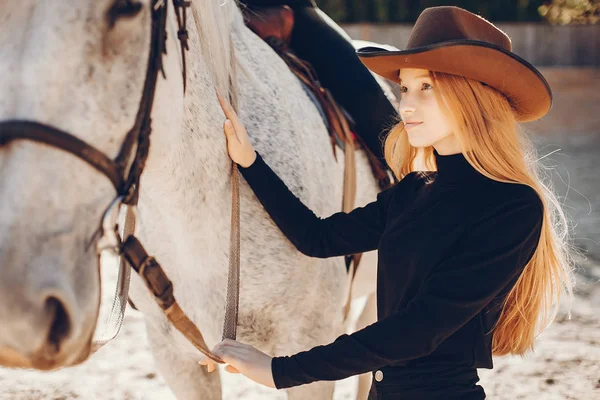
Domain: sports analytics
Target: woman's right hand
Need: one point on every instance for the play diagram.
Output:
(238, 143)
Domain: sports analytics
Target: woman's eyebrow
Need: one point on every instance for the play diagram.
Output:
(418, 76)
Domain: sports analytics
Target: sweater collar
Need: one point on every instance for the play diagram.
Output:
(454, 168)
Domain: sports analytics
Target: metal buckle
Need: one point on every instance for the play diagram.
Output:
(111, 238)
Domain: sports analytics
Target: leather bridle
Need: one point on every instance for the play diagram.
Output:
(124, 171)
(126, 184)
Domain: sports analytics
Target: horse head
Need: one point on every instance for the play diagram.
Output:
(76, 70)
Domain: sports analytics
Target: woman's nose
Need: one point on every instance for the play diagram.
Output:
(407, 105)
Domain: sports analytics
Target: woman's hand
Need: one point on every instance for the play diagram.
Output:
(244, 359)
(238, 143)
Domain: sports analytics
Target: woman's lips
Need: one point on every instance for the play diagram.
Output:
(410, 125)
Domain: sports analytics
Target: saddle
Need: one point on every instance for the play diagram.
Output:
(276, 22)
(274, 25)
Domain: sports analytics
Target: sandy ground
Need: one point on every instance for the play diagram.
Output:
(565, 365)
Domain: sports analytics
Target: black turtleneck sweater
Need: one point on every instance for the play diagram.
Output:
(451, 244)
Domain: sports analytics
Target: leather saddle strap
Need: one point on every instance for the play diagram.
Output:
(378, 168)
(161, 287)
(349, 198)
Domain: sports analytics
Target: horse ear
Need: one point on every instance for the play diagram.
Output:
(122, 9)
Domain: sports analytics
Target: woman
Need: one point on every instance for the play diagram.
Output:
(471, 244)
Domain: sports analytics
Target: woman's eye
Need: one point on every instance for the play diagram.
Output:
(123, 9)
(425, 86)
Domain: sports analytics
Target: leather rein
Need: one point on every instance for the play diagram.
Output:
(125, 172)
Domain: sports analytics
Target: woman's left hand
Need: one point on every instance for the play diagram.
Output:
(244, 359)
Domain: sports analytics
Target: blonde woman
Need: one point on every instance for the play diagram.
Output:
(471, 244)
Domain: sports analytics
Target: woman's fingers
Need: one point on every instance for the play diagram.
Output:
(210, 365)
(240, 150)
(228, 354)
(204, 361)
(231, 369)
(230, 133)
(229, 351)
(233, 117)
(232, 352)
(247, 360)
(227, 109)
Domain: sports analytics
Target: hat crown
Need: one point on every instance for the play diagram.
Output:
(441, 24)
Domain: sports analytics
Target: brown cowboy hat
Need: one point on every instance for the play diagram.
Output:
(455, 41)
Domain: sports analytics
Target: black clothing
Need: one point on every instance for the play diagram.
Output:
(339, 70)
(456, 383)
(451, 244)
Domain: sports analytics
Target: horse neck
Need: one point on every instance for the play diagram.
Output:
(188, 171)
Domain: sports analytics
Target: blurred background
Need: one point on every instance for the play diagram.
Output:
(557, 33)
(406, 11)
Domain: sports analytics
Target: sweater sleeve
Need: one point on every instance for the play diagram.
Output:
(340, 234)
(493, 252)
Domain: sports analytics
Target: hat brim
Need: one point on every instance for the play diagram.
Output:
(524, 86)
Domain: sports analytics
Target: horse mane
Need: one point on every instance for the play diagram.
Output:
(215, 20)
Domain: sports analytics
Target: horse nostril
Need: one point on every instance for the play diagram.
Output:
(61, 325)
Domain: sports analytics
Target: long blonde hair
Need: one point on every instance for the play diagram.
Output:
(485, 123)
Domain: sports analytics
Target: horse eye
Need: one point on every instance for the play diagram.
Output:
(123, 9)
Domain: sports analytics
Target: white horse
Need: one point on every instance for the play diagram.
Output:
(63, 64)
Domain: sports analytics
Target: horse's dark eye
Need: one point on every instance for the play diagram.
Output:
(122, 9)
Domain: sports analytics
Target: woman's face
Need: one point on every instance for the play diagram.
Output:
(425, 122)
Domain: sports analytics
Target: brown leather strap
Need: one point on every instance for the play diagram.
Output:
(233, 280)
(384, 178)
(161, 287)
(128, 230)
